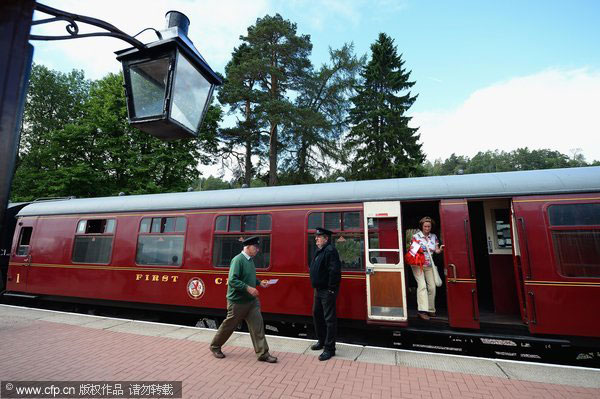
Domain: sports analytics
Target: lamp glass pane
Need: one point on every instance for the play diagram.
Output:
(190, 94)
(148, 84)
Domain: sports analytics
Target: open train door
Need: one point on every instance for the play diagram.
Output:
(386, 299)
(461, 284)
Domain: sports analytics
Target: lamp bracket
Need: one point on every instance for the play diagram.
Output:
(73, 29)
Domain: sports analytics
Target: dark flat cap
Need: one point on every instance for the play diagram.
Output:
(254, 240)
(323, 232)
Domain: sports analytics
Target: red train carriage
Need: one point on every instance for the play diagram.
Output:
(521, 248)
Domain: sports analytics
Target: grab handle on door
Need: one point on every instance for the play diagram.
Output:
(370, 270)
(453, 279)
(533, 312)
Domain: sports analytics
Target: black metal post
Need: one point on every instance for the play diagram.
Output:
(15, 65)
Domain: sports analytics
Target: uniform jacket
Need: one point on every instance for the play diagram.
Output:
(326, 268)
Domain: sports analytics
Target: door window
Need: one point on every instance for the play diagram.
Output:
(24, 239)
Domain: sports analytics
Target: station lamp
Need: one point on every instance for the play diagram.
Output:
(168, 84)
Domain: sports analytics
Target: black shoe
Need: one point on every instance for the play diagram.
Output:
(316, 347)
(326, 355)
(217, 353)
(268, 359)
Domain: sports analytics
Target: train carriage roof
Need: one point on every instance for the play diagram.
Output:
(549, 181)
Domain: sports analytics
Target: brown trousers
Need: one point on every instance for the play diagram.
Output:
(236, 312)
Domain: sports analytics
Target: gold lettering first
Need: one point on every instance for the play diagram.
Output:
(164, 278)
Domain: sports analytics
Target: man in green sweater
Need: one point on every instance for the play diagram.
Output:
(243, 304)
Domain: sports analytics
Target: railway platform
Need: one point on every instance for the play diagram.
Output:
(41, 345)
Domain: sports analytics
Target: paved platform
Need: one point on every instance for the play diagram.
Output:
(47, 345)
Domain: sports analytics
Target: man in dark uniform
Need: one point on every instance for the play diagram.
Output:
(243, 304)
(325, 277)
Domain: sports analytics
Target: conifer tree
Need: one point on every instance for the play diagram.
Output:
(380, 142)
(281, 62)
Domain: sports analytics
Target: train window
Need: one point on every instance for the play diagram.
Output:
(264, 222)
(227, 246)
(245, 223)
(315, 220)
(228, 242)
(502, 226)
(163, 225)
(95, 226)
(574, 214)
(333, 221)
(351, 220)
(250, 222)
(575, 230)
(221, 223)
(161, 241)
(347, 237)
(145, 225)
(235, 223)
(93, 241)
(24, 239)
(384, 246)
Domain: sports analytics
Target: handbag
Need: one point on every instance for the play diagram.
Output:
(415, 260)
(436, 275)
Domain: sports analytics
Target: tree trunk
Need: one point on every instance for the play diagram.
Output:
(302, 155)
(248, 163)
(273, 155)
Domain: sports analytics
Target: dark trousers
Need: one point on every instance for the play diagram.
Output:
(324, 317)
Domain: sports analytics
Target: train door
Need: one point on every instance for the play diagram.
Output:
(559, 247)
(461, 283)
(21, 255)
(386, 299)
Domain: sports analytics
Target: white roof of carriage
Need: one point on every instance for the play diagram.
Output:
(549, 181)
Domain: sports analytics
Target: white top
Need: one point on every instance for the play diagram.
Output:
(430, 242)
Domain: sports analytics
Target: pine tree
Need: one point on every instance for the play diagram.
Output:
(380, 140)
(321, 117)
(280, 58)
(240, 91)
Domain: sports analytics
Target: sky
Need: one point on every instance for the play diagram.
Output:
(490, 75)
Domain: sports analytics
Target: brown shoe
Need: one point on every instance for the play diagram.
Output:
(268, 359)
(423, 316)
(431, 314)
(217, 353)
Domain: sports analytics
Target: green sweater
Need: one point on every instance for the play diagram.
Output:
(242, 273)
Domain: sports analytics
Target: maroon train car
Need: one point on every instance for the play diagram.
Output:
(521, 249)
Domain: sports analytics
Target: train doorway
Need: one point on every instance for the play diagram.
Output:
(493, 260)
(412, 212)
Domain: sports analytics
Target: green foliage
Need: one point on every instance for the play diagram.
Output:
(277, 57)
(501, 161)
(213, 183)
(82, 144)
(381, 142)
(321, 117)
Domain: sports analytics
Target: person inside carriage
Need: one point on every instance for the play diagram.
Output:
(423, 245)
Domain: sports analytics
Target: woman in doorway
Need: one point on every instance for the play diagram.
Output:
(430, 244)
